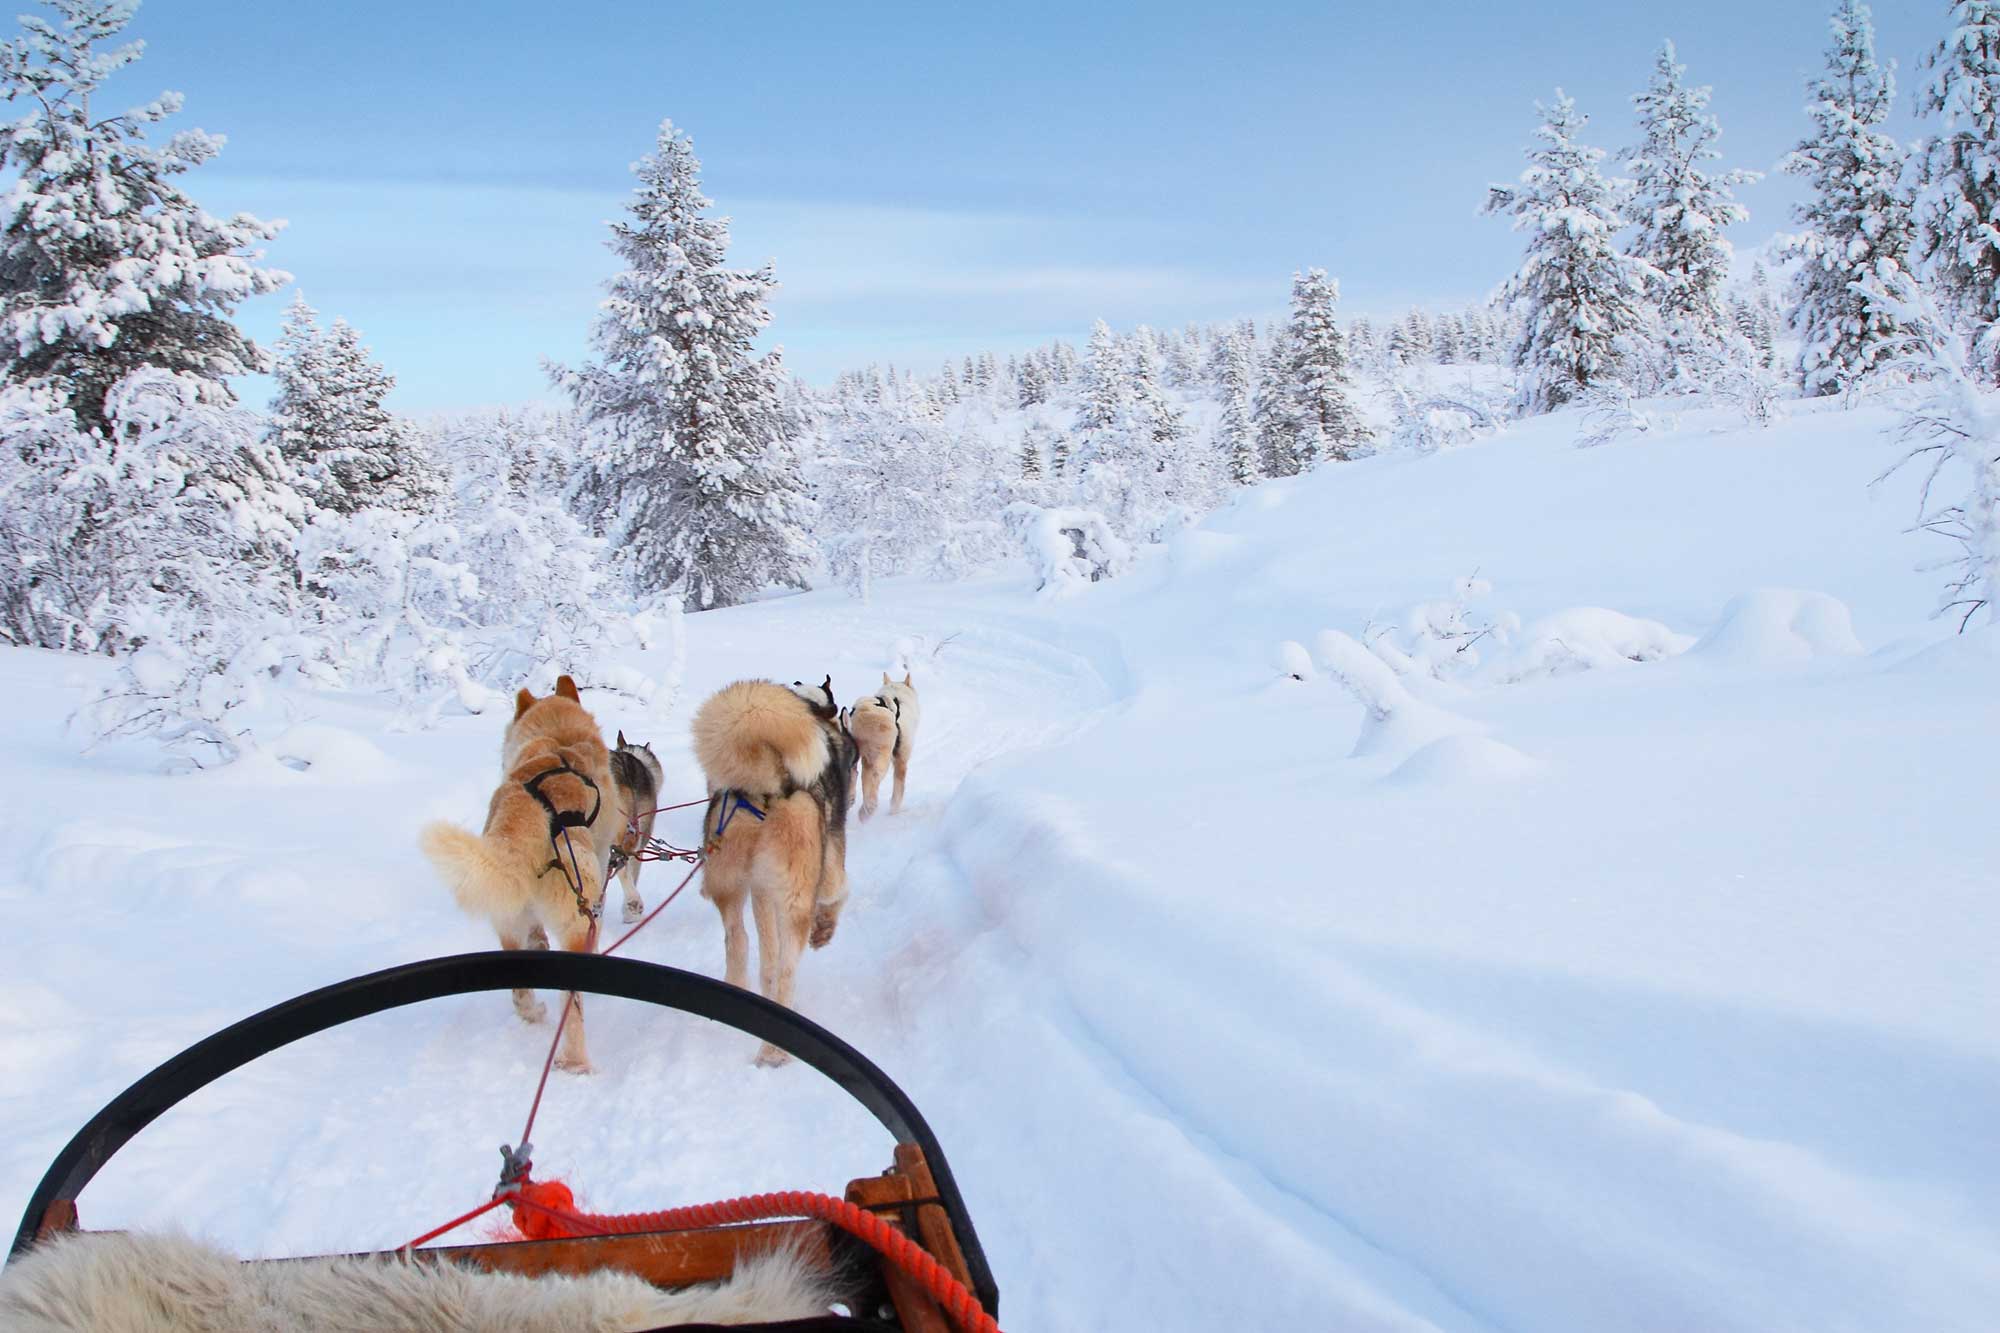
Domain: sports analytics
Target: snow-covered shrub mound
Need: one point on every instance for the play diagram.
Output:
(334, 754)
(1294, 661)
(1441, 638)
(1397, 720)
(1466, 760)
(1586, 638)
(1768, 625)
(1067, 547)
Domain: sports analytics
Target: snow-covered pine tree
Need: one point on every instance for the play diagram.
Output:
(1274, 412)
(1064, 363)
(348, 450)
(1956, 174)
(106, 265)
(1678, 208)
(1033, 385)
(1318, 373)
(1857, 221)
(1156, 416)
(1236, 432)
(1104, 394)
(682, 416)
(1581, 298)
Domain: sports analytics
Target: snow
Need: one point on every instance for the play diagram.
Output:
(1780, 625)
(1654, 996)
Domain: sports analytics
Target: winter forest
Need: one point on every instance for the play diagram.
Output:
(214, 546)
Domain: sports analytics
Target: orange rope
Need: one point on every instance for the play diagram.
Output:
(545, 1210)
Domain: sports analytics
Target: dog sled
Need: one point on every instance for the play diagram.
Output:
(900, 1249)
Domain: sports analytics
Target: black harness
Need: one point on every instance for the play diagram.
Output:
(895, 707)
(562, 819)
(560, 822)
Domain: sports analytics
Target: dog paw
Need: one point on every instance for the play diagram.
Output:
(574, 1064)
(822, 933)
(770, 1057)
(534, 1011)
(635, 910)
(867, 812)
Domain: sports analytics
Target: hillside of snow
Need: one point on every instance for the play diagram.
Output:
(1568, 992)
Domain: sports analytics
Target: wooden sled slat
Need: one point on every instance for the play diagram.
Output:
(663, 1258)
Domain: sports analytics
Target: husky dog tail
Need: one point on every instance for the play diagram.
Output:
(481, 874)
(755, 736)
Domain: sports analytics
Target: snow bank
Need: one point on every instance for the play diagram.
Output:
(1463, 760)
(1769, 626)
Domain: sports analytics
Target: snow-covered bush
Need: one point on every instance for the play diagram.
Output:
(1429, 419)
(394, 594)
(1067, 548)
(1613, 411)
(174, 502)
(1440, 638)
(1584, 638)
(1951, 425)
(203, 689)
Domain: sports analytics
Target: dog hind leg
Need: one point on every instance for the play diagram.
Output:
(902, 765)
(871, 782)
(572, 1056)
(832, 894)
(635, 906)
(526, 1004)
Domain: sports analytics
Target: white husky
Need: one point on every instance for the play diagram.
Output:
(884, 726)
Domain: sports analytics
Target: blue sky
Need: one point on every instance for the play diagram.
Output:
(930, 180)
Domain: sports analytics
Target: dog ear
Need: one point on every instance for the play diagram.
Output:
(885, 678)
(827, 685)
(567, 689)
(523, 701)
(906, 678)
(621, 740)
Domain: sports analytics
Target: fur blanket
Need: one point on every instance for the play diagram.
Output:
(118, 1282)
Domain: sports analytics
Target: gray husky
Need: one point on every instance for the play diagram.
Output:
(638, 775)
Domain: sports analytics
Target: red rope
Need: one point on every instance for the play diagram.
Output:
(555, 1218)
(648, 918)
(455, 1222)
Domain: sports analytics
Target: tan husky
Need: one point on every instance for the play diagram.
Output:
(885, 728)
(550, 826)
(775, 835)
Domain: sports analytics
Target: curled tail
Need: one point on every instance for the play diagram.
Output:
(758, 737)
(483, 880)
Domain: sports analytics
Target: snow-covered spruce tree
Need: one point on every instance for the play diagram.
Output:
(1678, 208)
(1956, 183)
(1857, 221)
(1318, 375)
(1236, 432)
(1581, 299)
(328, 419)
(106, 266)
(686, 453)
(1274, 412)
(1103, 397)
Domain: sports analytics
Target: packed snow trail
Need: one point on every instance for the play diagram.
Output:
(1654, 996)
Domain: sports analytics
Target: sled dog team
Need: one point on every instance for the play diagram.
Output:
(779, 762)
